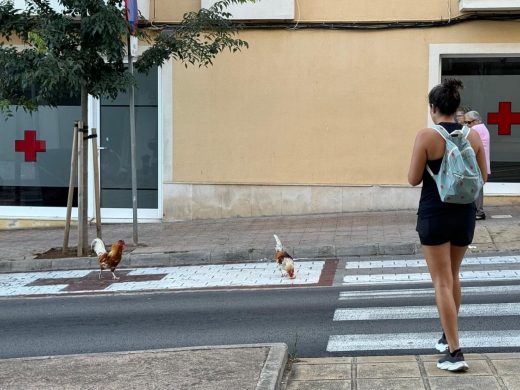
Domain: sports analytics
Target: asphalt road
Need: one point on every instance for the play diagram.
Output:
(69, 325)
(300, 317)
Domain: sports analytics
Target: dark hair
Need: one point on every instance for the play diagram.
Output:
(464, 109)
(446, 96)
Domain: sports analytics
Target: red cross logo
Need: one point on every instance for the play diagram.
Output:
(504, 118)
(29, 145)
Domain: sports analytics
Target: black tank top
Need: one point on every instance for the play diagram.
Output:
(430, 203)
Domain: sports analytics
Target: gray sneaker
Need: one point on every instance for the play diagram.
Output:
(453, 362)
(442, 344)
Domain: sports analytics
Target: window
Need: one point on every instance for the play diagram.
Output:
(265, 9)
(489, 5)
(490, 87)
(35, 155)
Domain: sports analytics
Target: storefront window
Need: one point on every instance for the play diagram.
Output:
(491, 88)
(35, 151)
(35, 155)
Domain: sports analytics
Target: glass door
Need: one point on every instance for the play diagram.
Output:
(113, 118)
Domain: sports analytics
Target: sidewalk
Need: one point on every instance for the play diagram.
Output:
(249, 367)
(251, 239)
(486, 371)
(254, 367)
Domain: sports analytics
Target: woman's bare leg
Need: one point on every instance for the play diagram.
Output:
(438, 258)
(457, 254)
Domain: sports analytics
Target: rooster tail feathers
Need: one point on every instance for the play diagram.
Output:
(279, 246)
(98, 246)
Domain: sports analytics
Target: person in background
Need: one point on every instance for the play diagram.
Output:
(473, 120)
(445, 229)
(460, 113)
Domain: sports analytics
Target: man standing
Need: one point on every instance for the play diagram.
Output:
(460, 113)
(473, 120)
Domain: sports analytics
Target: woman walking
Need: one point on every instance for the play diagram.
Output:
(445, 229)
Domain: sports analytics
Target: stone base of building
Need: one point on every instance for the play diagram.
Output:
(184, 202)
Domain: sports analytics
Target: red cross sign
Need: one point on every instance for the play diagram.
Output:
(29, 145)
(504, 118)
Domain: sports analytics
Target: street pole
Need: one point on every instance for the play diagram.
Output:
(132, 144)
(73, 182)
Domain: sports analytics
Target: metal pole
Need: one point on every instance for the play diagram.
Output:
(132, 145)
(81, 189)
(96, 182)
(73, 182)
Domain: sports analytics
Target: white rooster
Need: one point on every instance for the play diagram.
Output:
(283, 259)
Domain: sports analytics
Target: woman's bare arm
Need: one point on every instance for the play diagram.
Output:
(419, 159)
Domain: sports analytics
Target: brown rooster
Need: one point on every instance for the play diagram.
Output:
(108, 259)
(283, 259)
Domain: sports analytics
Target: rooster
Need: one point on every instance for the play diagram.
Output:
(108, 259)
(283, 259)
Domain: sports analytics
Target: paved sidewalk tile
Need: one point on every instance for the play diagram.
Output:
(388, 370)
(512, 381)
(162, 278)
(391, 384)
(464, 382)
(507, 367)
(319, 385)
(335, 371)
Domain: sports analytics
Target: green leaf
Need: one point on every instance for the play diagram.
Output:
(85, 45)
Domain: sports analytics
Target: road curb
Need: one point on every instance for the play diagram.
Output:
(274, 367)
(186, 258)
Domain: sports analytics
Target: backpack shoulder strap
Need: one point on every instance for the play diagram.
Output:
(429, 170)
(444, 134)
(442, 131)
(465, 131)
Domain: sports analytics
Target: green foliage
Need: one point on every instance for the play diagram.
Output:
(85, 46)
(197, 39)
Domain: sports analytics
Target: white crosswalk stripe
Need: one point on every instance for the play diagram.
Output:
(398, 280)
(426, 292)
(383, 271)
(424, 340)
(422, 277)
(421, 263)
(408, 312)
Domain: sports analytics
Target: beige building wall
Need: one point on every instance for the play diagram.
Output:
(308, 120)
(335, 10)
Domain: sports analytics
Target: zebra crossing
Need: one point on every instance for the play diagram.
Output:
(388, 305)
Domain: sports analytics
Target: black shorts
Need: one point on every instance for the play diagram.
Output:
(457, 228)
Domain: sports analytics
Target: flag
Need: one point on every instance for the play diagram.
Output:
(132, 14)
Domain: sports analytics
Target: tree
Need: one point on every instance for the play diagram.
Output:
(81, 49)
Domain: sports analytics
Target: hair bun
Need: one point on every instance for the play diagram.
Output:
(453, 84)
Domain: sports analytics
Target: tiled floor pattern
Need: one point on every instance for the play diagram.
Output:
(166, 278)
